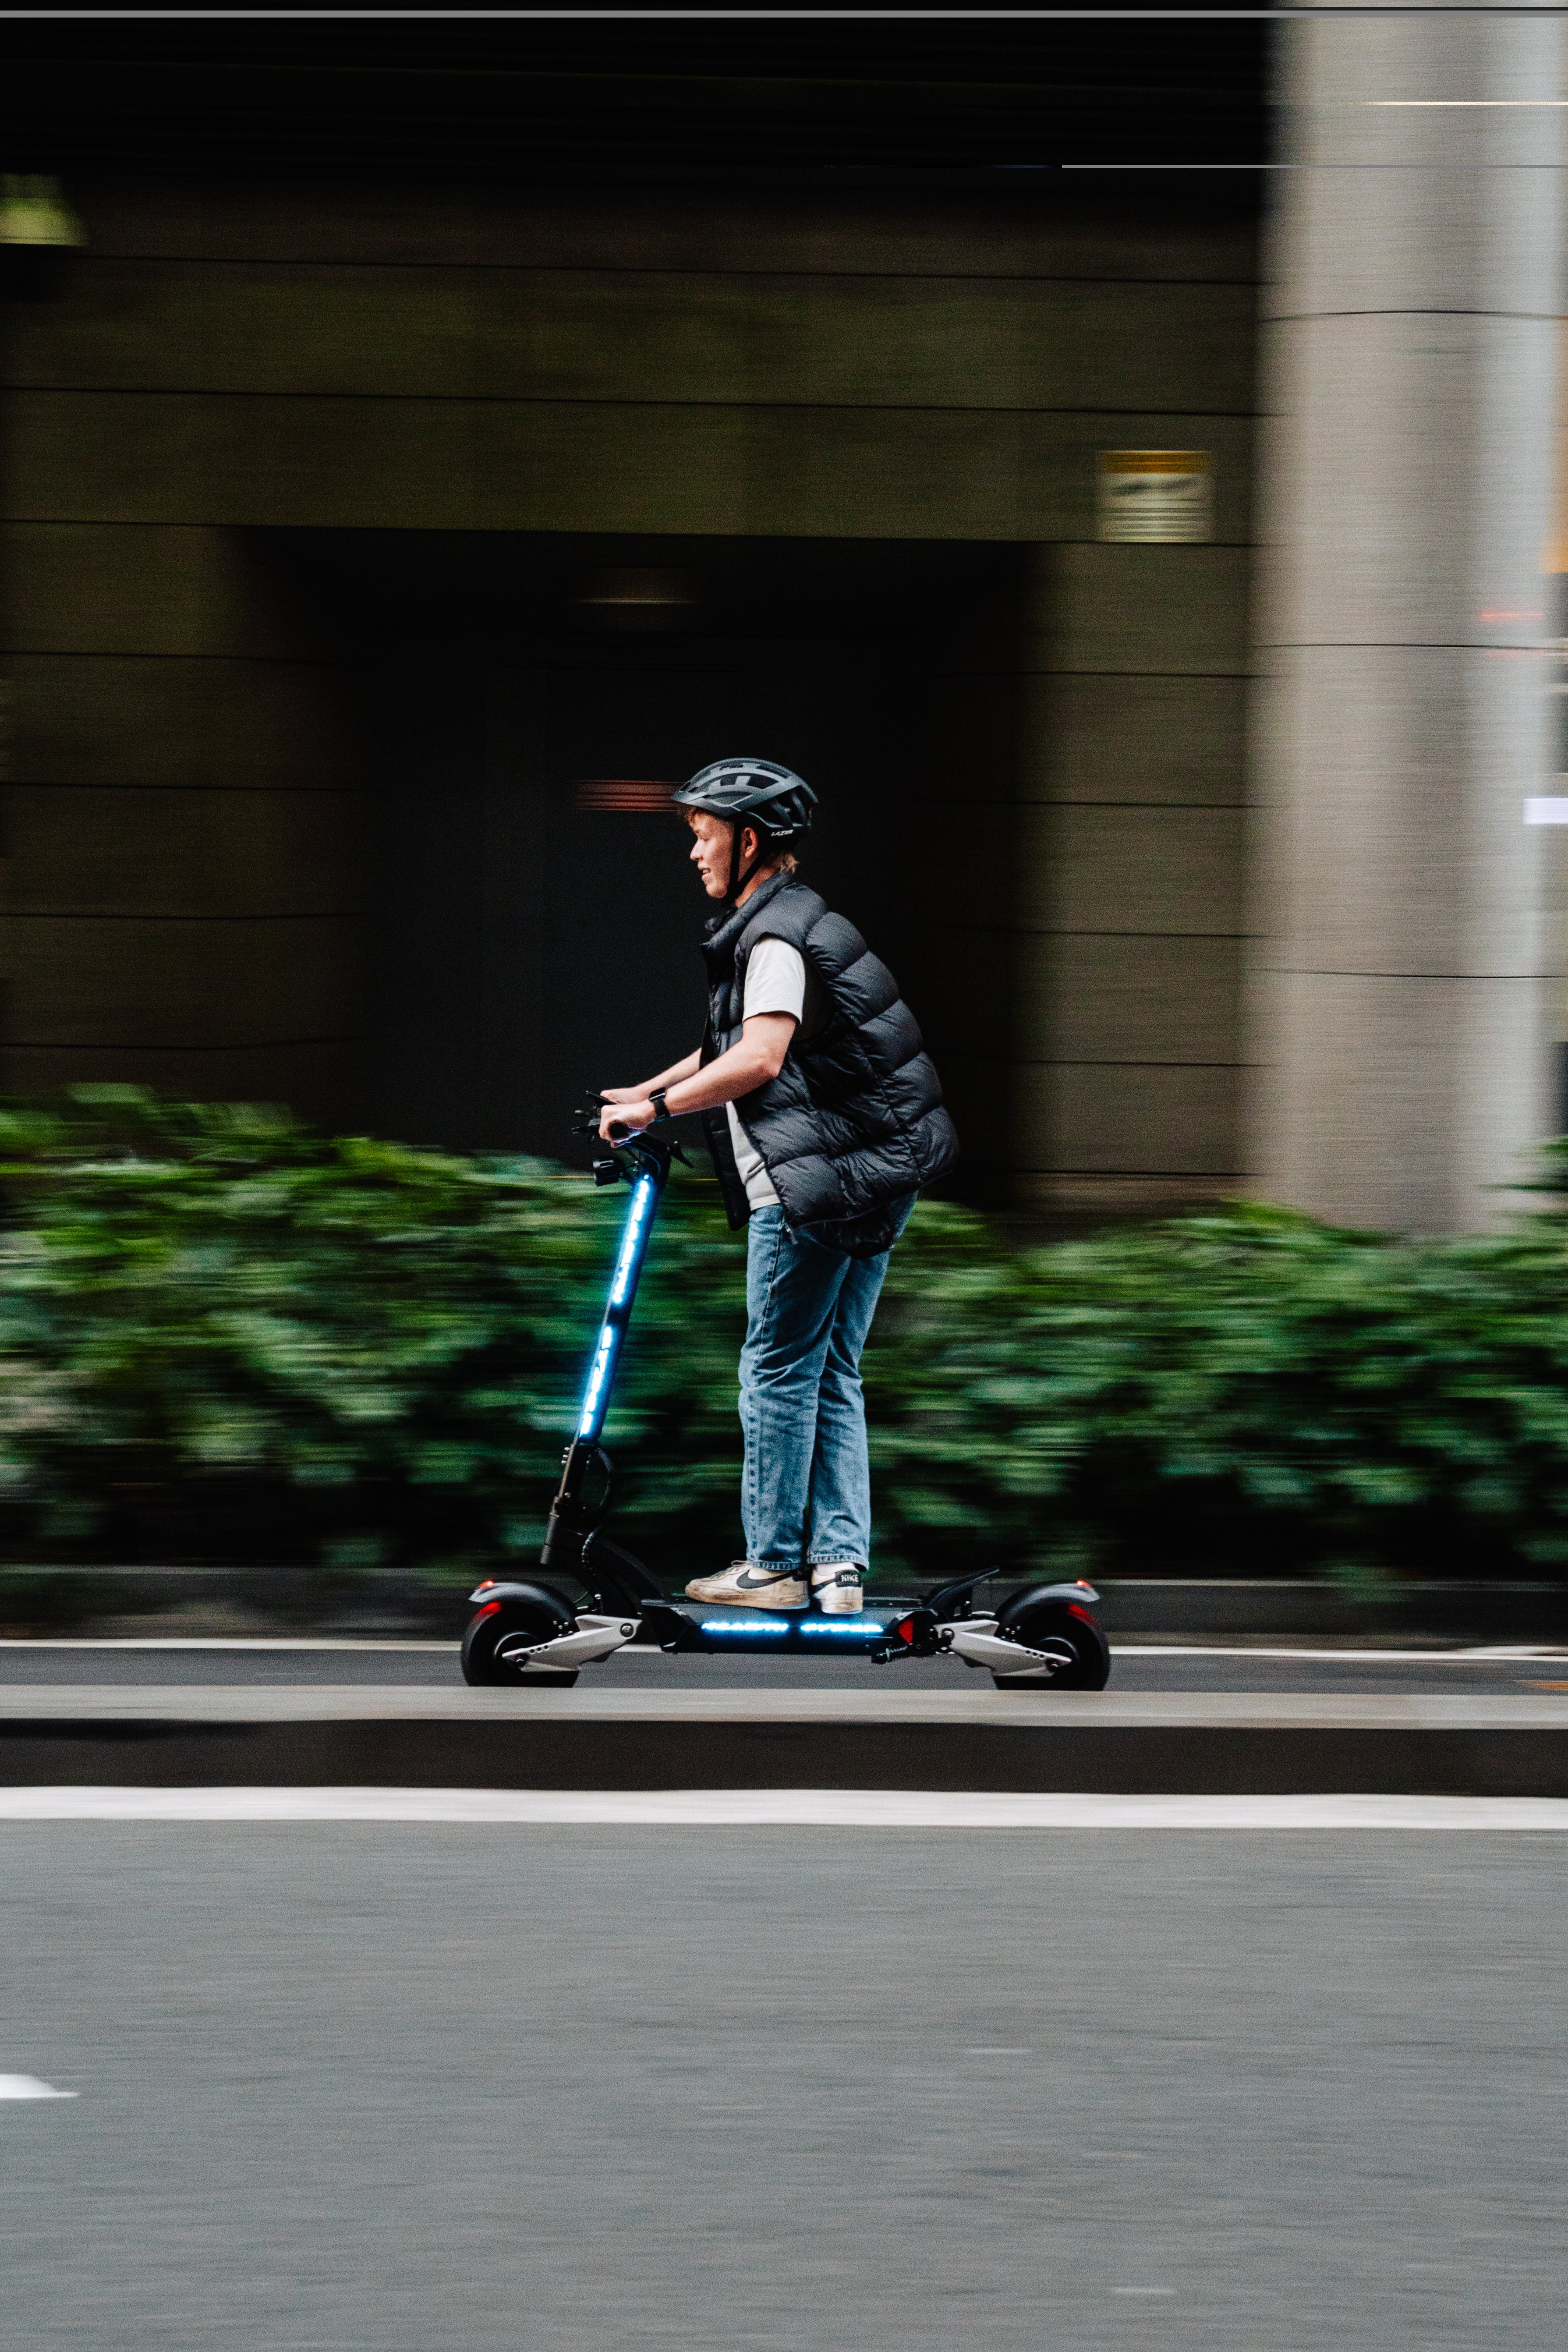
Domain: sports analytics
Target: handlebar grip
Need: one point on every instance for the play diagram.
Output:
(619, 1130)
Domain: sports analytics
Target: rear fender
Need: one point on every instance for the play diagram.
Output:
(539, 1595)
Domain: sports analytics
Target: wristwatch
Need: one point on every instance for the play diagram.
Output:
(661, 1110)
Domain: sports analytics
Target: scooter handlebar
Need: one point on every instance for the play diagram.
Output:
(588, 1124)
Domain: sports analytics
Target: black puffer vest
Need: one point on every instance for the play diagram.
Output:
(853, 1123)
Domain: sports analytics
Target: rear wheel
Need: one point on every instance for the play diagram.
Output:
(494, 1637)
(1064, 1632)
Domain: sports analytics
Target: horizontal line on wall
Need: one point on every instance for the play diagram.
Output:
(1407, 645)
(1185, 676)
(530, 531)
(583, 400)
(1042, 931)
(108, 915)
(1115, 805)
(1052, 932)
(1157, 808)
(1338, 971)
(109, 784)
(1063, 669)
(324, 668)
(1139, 1175)
(1305, 318)
(1230, 676)
(1118, 1062)
(512, 530)
(251, 1045)
(1272, 165)
(447, 270)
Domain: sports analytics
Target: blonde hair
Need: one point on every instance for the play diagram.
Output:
(781, 856)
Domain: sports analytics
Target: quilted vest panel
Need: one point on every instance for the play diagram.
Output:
(854, 1122)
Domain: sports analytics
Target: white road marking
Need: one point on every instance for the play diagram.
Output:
(879, 1809)
(28, 2086)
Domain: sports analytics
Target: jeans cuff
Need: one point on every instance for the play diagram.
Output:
(833, 1560)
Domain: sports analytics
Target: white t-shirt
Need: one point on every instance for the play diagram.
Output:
(775, 983)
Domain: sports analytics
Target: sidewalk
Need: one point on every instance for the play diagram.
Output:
(1130, 1743)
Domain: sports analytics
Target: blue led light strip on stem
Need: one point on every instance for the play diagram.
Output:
(618, 1309)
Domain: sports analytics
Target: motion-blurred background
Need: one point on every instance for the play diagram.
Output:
(1115, 460)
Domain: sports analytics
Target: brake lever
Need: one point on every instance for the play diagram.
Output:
(619, 1133)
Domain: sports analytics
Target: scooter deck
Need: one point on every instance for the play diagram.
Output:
(678, 1623)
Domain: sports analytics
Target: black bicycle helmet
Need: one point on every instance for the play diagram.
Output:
(771, 799)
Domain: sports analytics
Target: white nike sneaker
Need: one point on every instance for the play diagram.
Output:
(744, 1585)
(838, 1588)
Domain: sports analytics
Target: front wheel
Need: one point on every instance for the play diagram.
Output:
(494, 1636)
(1065, 1632)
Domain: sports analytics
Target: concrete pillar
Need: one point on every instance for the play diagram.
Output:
(1401, 995)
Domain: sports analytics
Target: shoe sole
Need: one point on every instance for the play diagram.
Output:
(741, 1599)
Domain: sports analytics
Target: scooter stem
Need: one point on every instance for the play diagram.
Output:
(645, 1167)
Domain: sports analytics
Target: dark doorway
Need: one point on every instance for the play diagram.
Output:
(531, 946)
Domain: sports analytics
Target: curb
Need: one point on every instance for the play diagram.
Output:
(1138, 1744)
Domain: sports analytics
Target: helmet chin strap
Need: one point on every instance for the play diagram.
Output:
(739, 882)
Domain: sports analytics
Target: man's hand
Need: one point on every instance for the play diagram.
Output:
(625, 1109)
(756, 1056)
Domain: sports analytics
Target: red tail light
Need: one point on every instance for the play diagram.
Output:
(1074, 1610)
(905, 1629)
(488, 1610)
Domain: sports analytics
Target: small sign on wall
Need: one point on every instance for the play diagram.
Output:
(1156, 494)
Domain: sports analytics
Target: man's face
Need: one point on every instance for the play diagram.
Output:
(710, 851)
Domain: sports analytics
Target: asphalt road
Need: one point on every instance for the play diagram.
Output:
(1134, 1668)
(371, 2089)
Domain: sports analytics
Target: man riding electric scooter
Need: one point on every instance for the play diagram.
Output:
(823, 1115)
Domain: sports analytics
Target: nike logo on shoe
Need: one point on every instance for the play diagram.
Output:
(746, 1586)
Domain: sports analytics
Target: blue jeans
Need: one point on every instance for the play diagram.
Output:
(806, 1492)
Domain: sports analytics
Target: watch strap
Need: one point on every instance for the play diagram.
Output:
(661, 1110)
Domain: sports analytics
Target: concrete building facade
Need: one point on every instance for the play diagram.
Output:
(225, 412)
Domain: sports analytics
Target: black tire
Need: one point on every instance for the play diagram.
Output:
(490, 1628)
(1052, 1625)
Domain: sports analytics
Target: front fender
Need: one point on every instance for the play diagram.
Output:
(1078, 1595)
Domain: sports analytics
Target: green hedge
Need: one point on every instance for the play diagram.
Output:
(223, 1338)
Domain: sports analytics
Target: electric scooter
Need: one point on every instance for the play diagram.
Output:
(1046, 1637)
